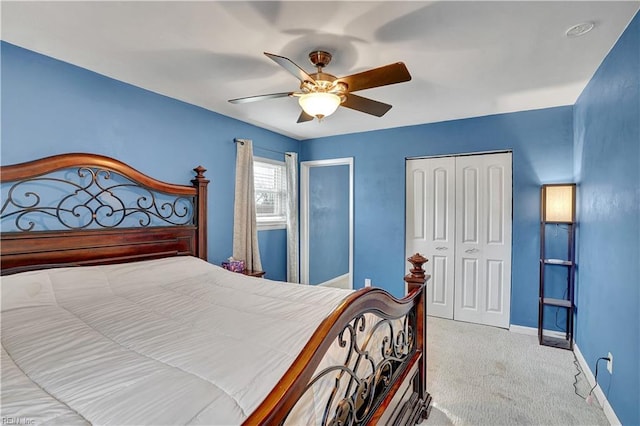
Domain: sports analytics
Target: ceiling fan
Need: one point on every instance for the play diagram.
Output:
(322, 93)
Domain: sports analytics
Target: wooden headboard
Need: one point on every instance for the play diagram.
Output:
(88, 209)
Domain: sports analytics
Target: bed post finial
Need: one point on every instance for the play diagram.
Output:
(416, 277)
(200, 182)
(199, 172)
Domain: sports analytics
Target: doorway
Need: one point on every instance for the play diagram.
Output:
(458, 215)
(326, 219)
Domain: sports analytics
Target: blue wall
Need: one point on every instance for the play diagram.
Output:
(273, 253)
(607, 145)
(328, 222)
(542, 144)
(51, 107)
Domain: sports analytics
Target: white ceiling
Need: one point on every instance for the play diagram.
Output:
(466, 58)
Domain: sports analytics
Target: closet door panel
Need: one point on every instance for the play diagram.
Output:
(484, 217)
(469, 285)
(495, 286)
(497, 249)
(431, 227)
(495, 204)
(468, 205)
(440, 289)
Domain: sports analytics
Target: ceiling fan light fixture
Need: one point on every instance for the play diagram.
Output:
(319, 104)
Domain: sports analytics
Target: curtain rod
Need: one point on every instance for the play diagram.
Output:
(241, 142)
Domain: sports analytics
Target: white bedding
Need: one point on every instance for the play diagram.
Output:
(170, 341)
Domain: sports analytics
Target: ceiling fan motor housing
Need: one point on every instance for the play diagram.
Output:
(320, 58)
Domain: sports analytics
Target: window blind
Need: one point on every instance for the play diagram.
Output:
(270, 191)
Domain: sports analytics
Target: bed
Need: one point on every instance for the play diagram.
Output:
(111, 314)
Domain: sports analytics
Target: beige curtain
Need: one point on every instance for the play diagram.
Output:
(245, 231)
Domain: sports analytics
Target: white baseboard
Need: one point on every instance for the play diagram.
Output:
(520, 329)
(532, 331)
(341, 281)
(600, 396)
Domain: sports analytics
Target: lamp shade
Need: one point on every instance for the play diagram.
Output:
(319, 104)
(559, 202)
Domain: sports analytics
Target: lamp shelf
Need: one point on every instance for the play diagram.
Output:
(557, 302)
(556, 342)
(558, 262)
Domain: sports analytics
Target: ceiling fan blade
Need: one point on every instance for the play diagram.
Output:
(383, 76)
(304, 117)
(290, 66)
(366, 105)
(260, 98)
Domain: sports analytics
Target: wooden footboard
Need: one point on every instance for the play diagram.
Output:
(379, 373)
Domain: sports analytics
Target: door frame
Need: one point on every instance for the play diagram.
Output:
(305, 167)
(463, 154)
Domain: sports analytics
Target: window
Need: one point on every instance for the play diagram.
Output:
(271, 193)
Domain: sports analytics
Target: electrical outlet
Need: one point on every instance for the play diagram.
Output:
(610, 363)
(367, 282)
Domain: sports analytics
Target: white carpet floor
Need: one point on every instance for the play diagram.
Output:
(480, 375)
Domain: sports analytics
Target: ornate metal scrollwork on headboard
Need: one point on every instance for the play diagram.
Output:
(88, 198)
(375, 350)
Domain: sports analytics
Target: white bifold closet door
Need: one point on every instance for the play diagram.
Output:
(459, 217)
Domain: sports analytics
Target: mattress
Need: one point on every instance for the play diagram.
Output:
(169, 341)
